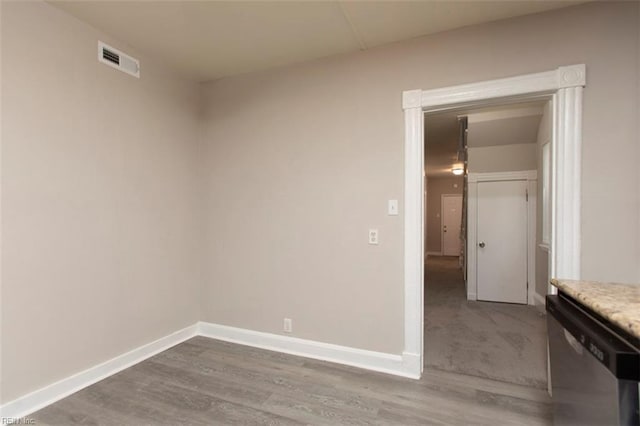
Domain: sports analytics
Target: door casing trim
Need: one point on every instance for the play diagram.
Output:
(564, 87)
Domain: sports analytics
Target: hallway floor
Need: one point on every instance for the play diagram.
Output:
(499, 341)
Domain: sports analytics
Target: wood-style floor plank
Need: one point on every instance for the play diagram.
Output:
(209, 382)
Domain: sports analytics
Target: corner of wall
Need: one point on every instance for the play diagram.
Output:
(1, 222)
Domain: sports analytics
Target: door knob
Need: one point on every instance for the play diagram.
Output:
(481, 244)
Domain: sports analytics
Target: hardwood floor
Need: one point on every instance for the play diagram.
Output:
(209, 382)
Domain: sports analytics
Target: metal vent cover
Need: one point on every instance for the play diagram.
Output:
(116, 59)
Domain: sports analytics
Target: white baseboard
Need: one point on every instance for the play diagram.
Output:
(539, 301)
(406, 365)
(47, 395)
(472, 296)
(411, 366)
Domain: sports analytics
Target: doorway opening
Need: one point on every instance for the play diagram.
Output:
(482, 239)
(451, 214)
(564, 86)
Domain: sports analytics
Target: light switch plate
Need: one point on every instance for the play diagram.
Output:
(392, 208)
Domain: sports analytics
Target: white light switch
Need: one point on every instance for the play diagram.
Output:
(392, 208)
(373, 236)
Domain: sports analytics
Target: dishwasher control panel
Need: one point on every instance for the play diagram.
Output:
(602, 343)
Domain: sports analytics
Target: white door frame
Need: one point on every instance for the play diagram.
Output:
(442, 197)
(531, 177)
(564, 86)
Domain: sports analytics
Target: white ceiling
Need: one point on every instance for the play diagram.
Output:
(206, 40)
(515, 123)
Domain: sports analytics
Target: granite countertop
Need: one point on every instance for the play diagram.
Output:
(618, 303)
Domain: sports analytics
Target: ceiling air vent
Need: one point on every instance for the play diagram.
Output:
(118, 60)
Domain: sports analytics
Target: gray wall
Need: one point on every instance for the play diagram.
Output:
(301, 160)
(502, 158)
(100, 201)
(435, 188)
(101, 223)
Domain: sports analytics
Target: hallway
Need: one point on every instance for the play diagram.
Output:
(499, 341)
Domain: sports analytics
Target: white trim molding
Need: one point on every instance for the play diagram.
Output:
(498, 176)
(566, 176)
(564, 86)
(540, 303)
(399, 365)
(413, 225)
(532, 225)
(404, 365)
(473, 179)
(47, 395)
(540, 83)
(539, 300)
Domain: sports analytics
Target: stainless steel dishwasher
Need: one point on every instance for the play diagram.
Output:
(595, 367)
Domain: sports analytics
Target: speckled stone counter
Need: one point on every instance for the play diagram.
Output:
(617, 303)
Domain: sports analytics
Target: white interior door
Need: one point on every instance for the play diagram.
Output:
(451, 222)
(502, 241)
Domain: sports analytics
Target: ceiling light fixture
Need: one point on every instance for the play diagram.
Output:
(457, 171)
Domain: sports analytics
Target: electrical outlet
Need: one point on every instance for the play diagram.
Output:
(288, 325)
(373, 236)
